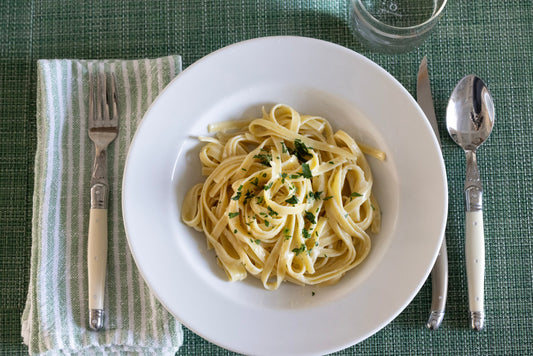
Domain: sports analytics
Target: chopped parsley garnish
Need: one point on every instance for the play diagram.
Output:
(283, 176)
(260, 199)
(271, 212)
(249, 195)
(299, 250)
(301, 150)
(286, 233)
(305, 233)
(310, 216)
(355, 194)
(264, 158)
(331, 162)
(314, 195)
(267, 224)
(257, 241)
(295, 176)
(235, 231)
(254, 181)
(306, 171)
(328, 197)
(283, 147)
(292, 200)
(232, 215)
(268, 186)
(237, 196)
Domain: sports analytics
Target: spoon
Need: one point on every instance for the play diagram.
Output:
(469, 119)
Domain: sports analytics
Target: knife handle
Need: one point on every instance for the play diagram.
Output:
(439, 288)
(96, 263)
(475, 267)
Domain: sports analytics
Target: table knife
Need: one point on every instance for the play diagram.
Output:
(439, 273)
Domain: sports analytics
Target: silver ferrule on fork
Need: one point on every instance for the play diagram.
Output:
(99, 185)
(99, 193)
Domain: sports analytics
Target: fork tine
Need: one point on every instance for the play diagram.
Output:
(103, 97)
(91, 102)
(103, 103)
(113, 95)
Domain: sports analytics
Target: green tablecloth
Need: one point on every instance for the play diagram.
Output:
(493, 39)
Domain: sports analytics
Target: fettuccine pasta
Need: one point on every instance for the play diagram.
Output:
(285, 198)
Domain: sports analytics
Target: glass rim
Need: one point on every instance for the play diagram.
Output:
(374, 21)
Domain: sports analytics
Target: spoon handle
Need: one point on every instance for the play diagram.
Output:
(474, 242)
(475, 266)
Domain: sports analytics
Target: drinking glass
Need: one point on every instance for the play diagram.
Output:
(394, 26)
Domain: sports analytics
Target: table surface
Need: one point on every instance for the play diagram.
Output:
(492, 38)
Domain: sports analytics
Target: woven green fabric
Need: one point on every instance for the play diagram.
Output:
(55, 318)
(491, 38)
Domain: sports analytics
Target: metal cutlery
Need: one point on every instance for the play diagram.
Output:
(439, 273)
(470, 119)
(103, 129)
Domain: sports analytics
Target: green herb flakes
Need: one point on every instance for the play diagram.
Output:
(292, 200)
(306, 171)
(299, 250)
(301, 150)
(310, 216)
(264, 158)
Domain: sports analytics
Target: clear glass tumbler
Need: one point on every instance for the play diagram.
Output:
(394, 26)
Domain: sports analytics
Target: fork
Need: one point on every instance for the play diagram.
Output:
(103, 129)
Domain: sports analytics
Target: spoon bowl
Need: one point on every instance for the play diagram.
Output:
(470, 119)
(470, 113)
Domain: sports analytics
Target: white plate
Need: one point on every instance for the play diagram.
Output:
(314, 77)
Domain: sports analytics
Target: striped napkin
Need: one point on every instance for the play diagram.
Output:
(55, 319)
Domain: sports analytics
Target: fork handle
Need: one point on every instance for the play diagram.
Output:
(97, 261)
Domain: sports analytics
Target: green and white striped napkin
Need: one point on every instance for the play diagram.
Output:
(55, 319)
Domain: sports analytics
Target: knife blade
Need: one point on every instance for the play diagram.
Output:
(439, 273)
